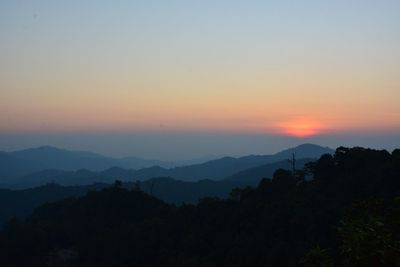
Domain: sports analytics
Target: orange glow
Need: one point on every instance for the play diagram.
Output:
(301, 128)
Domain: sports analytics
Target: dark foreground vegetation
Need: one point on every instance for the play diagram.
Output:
(347, 215)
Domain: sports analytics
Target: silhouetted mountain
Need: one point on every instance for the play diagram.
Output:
(253, 176)
(139, 163)
(67, 160)
(228, 166)
(11, 167)
(20, 203)
(304, 151)
(198, 160)
(69, 178)
(19, 163)
(47, 157)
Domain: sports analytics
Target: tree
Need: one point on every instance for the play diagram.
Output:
(118, 183)
(366, 241)
(316, 257)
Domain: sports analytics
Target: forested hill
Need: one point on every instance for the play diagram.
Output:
(347, 215)
(21, 203)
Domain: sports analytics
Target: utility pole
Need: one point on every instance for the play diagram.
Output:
(293, 163)
(152, 187)
(137, 186)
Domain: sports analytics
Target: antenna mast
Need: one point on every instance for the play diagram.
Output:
(293, 163)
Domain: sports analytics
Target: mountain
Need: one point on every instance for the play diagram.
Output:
(304, 151)
(253, 176)
(245, 177)
(71, 178)
(59, 167)
(199, 160)
(23, 162)
(228, 166)
(11, 166)
(47, 157)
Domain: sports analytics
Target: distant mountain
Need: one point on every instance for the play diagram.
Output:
(11, 167)
(228, 166)
(139, 163)
(198, 160)
(71, 178)
(34, 167)
(20, 163)
(304, 151)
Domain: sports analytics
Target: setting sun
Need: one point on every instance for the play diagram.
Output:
(301, 127)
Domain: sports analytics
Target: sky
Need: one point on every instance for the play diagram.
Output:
(180, 79)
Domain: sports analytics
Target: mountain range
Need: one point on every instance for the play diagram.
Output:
(38, 166)
(27, 161)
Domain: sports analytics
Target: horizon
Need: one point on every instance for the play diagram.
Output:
(269, 148)
(99, 154)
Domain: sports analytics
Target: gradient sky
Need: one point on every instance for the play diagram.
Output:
(305, 69)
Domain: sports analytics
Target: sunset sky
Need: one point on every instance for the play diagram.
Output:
(315, 71)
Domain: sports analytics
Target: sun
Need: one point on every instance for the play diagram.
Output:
(301, 127)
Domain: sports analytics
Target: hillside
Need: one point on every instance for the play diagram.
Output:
(20, 203)
(347, 215)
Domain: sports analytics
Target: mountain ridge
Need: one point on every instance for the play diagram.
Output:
(213, 170)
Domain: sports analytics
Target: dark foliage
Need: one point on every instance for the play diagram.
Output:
(347, 215)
